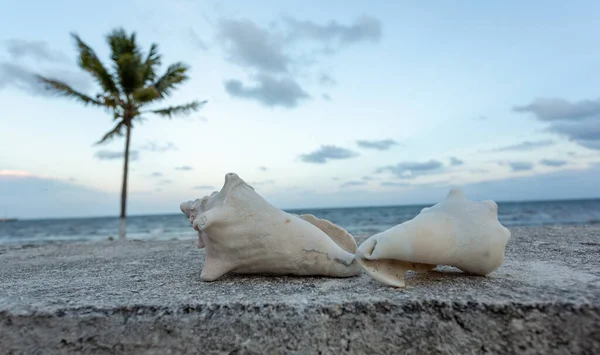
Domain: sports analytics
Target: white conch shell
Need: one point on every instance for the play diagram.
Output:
(245, 234)
(457, 232)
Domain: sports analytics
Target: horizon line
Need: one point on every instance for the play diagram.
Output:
(316, 208)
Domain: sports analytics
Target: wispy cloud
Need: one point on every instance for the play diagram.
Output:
(553, 162)
(577, 121)
(156, 174)
(326, 79)
(519, 165)
(197, 41)
(407, 170)
(327, 153)
(353, 183)
(556, 109)
(21, 78)
(184, 168)
(454, 161)
(383, 144)
(40, 51)
(153, 146)
(394, 184)
(525, 146)
(263, 168)
(165, 182)
(203, 187)
(112, 155)
(269, 91)
(263, 182)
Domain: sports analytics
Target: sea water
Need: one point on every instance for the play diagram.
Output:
(357, 220)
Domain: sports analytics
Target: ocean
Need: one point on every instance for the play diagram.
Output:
(357, 220)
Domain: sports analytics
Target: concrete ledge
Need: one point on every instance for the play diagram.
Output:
(147, 297)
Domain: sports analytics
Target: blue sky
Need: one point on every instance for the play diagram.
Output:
(341, 104)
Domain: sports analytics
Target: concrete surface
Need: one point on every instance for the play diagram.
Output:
(147, 297)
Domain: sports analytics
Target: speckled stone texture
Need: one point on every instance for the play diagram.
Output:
(147, 298)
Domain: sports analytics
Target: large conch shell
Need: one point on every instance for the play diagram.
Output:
(245, 234)
(456, 232)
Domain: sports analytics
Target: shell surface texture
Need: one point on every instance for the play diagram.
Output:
(457, 232)
(244, 234)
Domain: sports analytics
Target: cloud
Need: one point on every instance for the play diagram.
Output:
(16, 76)
(156, 174)
(519, 165)
(165, 182)
(153, 146)
(248, 44)
(365, 28)
(197, 41)
(262, 182)
(479, 171)
(454, 161)
(353, 183)
(263, 168)
(585, 132)
(326, 153)
(271, 49)
(553, 162)
(394, 184)
(112, 155)
(40, 51)
(326, 79)
(552, 109)
(276, 55)
(368, 178)
(326, 97)
(577, 121)
(407, 170)
(203, 187)
(383, 144)
(269, 91)
(525, 146)
(184, 168)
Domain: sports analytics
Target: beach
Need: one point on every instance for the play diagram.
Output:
(147, 297)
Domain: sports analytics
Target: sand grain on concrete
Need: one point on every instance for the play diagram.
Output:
(147, 297)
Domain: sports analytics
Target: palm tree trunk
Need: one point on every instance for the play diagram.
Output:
(122, 226)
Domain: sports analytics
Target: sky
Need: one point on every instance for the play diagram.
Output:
(344, 103)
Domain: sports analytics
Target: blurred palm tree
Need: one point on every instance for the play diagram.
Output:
(128, 89)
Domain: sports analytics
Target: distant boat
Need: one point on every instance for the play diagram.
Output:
(4, 220)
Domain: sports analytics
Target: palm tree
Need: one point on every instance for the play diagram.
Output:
(128, 89)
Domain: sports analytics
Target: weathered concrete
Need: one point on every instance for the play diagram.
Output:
(147, 297)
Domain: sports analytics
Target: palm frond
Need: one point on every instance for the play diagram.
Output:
(130, 74)
(116, 131)
(89, 61)
(185, 109)
(121, 44)
(175, 74)
(145, 95)
(62, 89)
(109, 101)
(153, 60)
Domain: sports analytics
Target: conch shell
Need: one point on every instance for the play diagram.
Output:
(245, 234)
(457, 232)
